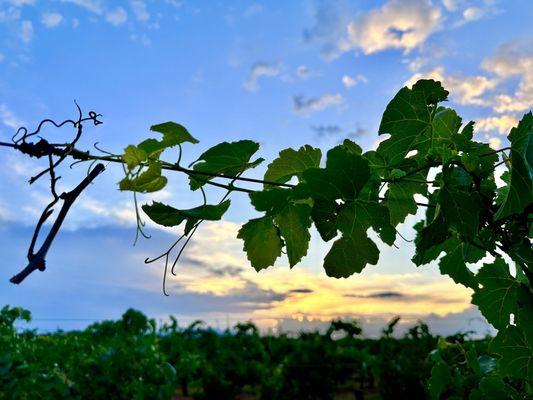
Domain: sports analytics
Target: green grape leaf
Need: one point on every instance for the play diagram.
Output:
(430, 240)
(133, 156)
(166, 215)
(446, 124)
(503, 192)
(343, 178)
(407, 118)
(173, 134)
(367, 215)
(270, 201)
(400, 198)
(453, 264)
(350, 254)
(497, 299)
(438, 143)
(324, 215)
(494, 388)
(441, 376)
(516, 351)
(352, 147)
(520, 192)
(294, 223)
(262, 242)
(292, 163)
(461, 210)
(149, 181)
(226, 158)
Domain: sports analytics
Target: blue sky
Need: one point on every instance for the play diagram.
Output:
(282, 73)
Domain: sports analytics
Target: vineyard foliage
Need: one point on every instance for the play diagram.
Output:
(427, 153)
(132, 358)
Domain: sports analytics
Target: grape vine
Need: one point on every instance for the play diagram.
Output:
(428, 153)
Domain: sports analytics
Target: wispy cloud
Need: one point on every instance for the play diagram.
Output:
(9, 119)
(21, 3)
(326, 130)
(259, 70)
(140, 10)
(117, 17)
(307, 106)
(501, 124)
(350, 82)
(468, 90)
(94, 6)
(513, 58)
(26, 31)
(51, 19)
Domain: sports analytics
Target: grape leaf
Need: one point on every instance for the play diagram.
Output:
(430, 240)
(352, 147)
(367, 214)
(461, 210)
(166, 215)
(173, 134)
(133, 156)
(407, 118)
(400, 198)
(497, 299)
(149, 181)
(350, 254)
(520, 193)
(324, 215)
(494, 388)
(262, 243)
(441, 376)
(453, 264)
(516, 351)
(226, 158)
(271, 201)
(294, 223)
(292, 163)
(343, 178)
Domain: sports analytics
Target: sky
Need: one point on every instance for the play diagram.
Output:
(281, 73)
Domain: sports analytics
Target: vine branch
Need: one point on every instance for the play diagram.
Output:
(37, 260)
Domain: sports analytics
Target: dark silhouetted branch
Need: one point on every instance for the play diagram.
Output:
(37, 260)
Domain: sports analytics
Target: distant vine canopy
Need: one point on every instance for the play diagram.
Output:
(429, 152)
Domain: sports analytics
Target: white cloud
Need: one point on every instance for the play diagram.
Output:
(123, 213)
(501, 124)
(21, 3)
(51, 20)
(398, 24)
(259, 70)
(495, 143)
(305, 106)
(94, 6)
(117, 17)
(513, 59)
(303, 72)
(450, 5)
(463, 89)
(473, 13)
(9, 119)
(140, 10)
(26, 31)
(349, 82)
(5, 214)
